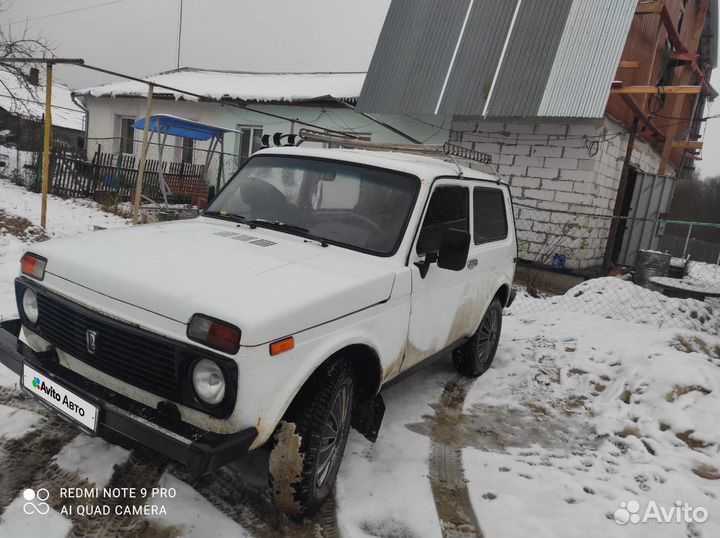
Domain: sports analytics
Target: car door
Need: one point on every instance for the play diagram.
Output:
(439, 303)
(490, 248)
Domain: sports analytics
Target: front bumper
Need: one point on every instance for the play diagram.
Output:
(199, 450)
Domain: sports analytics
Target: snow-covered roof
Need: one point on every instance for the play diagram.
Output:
(18, 99)
(241, 85)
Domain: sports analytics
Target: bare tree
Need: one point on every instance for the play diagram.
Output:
(20, 44)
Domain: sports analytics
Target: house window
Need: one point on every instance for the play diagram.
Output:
(249, 141)
(489, 220)
(127, 135)
(188, 144)
(449, 208)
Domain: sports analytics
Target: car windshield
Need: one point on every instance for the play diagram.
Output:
(344, 204)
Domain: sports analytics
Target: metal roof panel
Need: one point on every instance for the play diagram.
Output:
(579, 82)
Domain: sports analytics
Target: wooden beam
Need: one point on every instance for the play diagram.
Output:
(686, 74)
(648, 8)
(687, 144)
(645, 90)
(647, 122)
(672, 32)
(629, 64)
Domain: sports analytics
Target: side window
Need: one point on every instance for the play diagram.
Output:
(490, 220)
(449, 208)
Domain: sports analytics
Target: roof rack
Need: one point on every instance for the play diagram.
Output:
(447, 151)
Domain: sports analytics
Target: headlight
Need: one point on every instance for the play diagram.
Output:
(208, 381)
(30, 305)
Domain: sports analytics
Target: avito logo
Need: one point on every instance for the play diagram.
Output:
(36, 501)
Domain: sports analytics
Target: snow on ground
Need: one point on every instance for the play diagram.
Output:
(17, 524)
(193, 515)
(615, 298)
(91, 458)
(64, 217)
(582, 411)
(16, 422)
(579, 414)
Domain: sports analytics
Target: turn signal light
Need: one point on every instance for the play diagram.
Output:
(32, 265)
(214, 333)
(281, 346)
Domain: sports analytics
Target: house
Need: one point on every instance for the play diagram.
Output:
(280, 102)
(584, 105)
(22, 109)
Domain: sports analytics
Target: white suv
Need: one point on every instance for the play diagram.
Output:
(315, 278)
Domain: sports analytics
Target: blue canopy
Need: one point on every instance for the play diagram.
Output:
(176, 126)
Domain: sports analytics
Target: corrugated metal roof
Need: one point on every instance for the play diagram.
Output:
(478, 55)
(412, 54)
(579, 82)
(560, 58)
(529, 58)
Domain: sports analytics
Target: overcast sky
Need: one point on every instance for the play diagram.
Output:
(139, 37)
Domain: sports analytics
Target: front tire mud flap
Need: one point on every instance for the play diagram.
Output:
(368, 416)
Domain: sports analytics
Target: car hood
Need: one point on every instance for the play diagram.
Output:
(268, 283)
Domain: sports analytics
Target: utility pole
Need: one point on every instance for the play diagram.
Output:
(47, 132)
(179, 43)
(143, 156)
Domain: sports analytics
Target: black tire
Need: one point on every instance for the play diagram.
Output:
(476, 355)
(322, 420)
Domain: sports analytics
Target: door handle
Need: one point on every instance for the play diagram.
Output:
(472, 263)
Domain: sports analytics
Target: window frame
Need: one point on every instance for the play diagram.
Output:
(239, 137)
(505, 213)
(433, 189)
(187, 150)
(121, 119)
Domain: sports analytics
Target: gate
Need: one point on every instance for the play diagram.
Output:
(651, 197)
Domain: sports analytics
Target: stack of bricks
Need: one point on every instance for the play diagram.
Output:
(555, 169)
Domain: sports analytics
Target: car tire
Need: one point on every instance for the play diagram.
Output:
(476, 355)
(321, 420)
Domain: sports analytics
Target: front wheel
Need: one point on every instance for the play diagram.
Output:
(476, 355)
(311, 441)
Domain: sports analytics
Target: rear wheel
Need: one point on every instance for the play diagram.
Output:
(475, 356)
(312, 441)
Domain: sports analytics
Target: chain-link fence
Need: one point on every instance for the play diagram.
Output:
(563, 268)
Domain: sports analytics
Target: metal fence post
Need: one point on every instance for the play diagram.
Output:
(687, 240)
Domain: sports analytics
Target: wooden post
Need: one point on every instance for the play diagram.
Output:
(47, 134)
(143, 156)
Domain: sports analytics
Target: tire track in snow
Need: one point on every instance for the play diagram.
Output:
(253, 509)
(25, 459)
(447, 476)
(141, 470)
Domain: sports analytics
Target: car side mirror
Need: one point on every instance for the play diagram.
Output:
(454, 248)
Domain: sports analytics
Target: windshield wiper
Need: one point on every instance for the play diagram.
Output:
(282, 226)
(227, 215)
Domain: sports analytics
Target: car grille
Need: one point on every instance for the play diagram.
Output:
(124, 353)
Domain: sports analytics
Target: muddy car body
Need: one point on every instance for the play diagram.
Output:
(315, 278)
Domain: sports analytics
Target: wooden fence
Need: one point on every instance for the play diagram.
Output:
(116, 175)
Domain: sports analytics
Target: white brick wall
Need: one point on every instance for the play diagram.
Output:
(550, 168)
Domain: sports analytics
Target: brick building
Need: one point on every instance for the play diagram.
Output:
(574, 100)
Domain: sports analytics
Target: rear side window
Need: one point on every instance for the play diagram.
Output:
(490, 220)
(449, 208)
